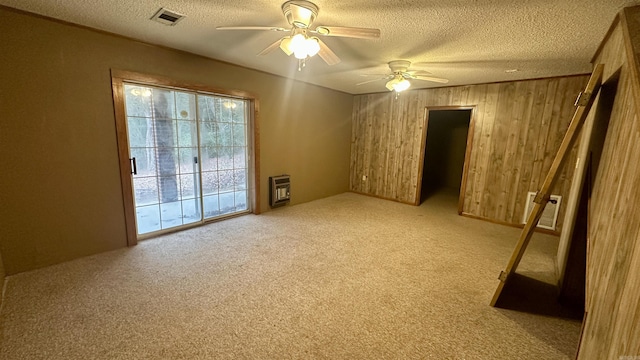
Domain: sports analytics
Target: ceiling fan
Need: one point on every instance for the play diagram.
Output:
(400, 75)
(302, 41)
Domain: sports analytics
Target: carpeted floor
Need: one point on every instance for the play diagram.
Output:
(346, 277)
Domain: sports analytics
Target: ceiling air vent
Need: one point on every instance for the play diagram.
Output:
(550, 213)
(167, 17)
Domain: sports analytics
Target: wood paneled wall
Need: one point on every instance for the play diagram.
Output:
(518, 127)
(612, 325)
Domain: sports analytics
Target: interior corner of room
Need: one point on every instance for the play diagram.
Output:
(489, 144)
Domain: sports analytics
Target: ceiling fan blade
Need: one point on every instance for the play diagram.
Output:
(327, 55)
(270, 48)
(370, 81)
(353, 32)
(373, 74)
(418, 72)
(430, 78)
(270, 28)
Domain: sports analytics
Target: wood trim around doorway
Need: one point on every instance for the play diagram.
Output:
(123, 156)
(467, 155)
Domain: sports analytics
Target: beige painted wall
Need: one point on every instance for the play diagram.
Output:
(61, 195)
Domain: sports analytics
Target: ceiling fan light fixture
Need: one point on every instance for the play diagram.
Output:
(403, 85)
(398, 83)
(297, 42)
(285, 45)
(313, 46)
(301, 46)
(300, 14)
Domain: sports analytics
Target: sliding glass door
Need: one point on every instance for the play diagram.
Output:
(223, 138)
(189, 156)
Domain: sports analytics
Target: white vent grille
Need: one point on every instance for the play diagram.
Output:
(550, 213)
(167, 17)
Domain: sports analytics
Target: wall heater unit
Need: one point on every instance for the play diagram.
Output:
(550, 213)
(279, 190)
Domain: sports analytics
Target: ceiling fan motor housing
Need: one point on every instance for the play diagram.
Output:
(300, 13)
(399, 66)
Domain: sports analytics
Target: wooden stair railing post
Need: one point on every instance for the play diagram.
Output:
(583, 105)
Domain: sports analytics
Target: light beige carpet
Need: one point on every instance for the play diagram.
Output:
(346, 277)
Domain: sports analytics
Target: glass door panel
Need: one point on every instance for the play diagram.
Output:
(163, 143)
(224, 139)
(190, 155)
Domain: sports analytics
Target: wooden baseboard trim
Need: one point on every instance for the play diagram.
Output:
(521, 226)
(383, 198)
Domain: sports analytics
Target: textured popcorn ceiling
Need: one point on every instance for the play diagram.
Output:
(466, 41)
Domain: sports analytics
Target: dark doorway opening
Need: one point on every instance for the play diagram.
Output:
(445, 150)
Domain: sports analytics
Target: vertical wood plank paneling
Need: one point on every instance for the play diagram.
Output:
(555, 127)
(612, 243)
(478, 151)
(387, 147)
(487, 191)
(391, 191)
(500, 143)
(407, 187)
(604, 198)
(601, 196)
(612, 326)
(415, 113)
(613, 226)
(354, 164)
(521, 114)
(361, 128)
(628, 332)
(619, 267)
(530, 145)
(377, 123)
(403, 140)
(517, 126)
(469, 201)
(538, 174)
(369, 166)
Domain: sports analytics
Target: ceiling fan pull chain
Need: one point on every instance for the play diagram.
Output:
(302, 63)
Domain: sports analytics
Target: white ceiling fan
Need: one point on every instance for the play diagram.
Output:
(302, 41)
(400, 75)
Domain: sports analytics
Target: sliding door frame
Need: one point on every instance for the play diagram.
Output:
(118, 79)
